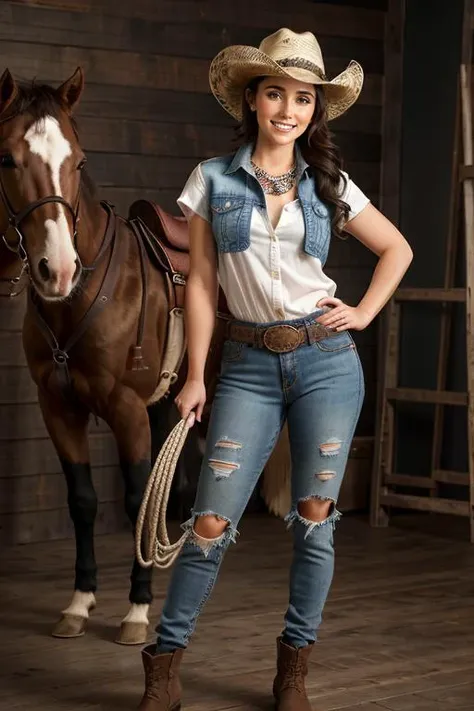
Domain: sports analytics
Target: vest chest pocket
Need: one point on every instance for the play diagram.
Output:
(320, 210)
(321, 219)
(226, 215)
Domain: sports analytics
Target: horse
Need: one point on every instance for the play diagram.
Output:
(103, 332)
(97, 321)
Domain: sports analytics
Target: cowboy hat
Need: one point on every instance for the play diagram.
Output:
(287, 54)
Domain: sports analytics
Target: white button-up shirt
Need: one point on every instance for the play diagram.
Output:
(274, 279)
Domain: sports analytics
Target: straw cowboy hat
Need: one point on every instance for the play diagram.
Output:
(287, 54)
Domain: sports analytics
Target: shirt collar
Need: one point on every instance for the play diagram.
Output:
(242, 159)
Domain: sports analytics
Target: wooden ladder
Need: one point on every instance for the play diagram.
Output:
(386, 484)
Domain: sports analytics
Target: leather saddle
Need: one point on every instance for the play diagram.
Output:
(165, 236)
(166, 239)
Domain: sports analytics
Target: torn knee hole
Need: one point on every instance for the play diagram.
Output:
(315, 509)
(210, 532)
(314, 514)
(209, 526)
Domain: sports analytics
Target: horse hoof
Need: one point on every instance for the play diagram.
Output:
(132, 633)
(69, 626)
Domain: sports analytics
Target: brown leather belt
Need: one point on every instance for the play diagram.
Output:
(282, 338)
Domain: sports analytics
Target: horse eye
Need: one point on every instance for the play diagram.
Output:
(7, 161)
(82, 164)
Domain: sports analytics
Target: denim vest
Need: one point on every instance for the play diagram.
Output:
(234, 191)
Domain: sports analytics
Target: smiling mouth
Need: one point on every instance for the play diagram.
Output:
(283, 126)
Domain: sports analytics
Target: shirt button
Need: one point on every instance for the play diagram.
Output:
(227, 204)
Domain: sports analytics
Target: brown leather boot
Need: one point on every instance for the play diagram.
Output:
(162, 684)
(288, 686)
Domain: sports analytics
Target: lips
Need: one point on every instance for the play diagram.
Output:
(285, 127)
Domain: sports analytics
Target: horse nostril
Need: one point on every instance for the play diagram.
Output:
(44, 269)
(78, 264)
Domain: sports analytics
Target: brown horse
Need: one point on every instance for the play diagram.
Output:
(97, 318)
(102, 322)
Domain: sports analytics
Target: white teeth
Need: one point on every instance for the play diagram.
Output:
(282, 126)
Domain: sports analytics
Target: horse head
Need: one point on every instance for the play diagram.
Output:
(40, 177)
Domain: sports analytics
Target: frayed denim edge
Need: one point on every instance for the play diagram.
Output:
(295, 516)
(206, 545)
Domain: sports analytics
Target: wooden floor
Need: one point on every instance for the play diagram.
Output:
(398, 631)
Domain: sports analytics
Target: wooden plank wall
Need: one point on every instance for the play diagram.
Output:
(146, 119)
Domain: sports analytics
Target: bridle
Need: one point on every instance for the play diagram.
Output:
(17, 243)
(60, 351)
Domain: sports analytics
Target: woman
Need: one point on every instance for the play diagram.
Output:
(260, 222)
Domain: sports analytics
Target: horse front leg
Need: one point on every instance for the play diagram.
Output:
(128, 419)
(68, 431)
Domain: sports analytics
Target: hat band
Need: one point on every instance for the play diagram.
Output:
(300, 63)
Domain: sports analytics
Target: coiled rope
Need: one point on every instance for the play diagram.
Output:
(152, 543)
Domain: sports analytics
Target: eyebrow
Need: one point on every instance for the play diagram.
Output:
(300, 91)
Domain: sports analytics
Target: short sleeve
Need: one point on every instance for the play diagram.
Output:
(353, 196)
(194, 199)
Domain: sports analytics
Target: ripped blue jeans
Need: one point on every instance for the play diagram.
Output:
(318, 389)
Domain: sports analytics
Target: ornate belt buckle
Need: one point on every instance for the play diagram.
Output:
(281, 339)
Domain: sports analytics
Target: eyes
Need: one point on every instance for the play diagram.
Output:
(7, 161)
(301, 99)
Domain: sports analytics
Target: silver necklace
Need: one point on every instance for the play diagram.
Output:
(275, 184)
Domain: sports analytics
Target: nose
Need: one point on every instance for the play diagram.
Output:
(78, 264)
(46, 274)
(44, 269)
(286, 109)
(57, 280)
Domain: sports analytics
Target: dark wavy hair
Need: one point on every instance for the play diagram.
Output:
(317, 148)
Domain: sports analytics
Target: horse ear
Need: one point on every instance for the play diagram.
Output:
(8, 90)
(70, 92)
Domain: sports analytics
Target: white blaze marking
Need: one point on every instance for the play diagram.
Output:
(46, 140)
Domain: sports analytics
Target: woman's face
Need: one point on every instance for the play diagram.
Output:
(284, 108)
